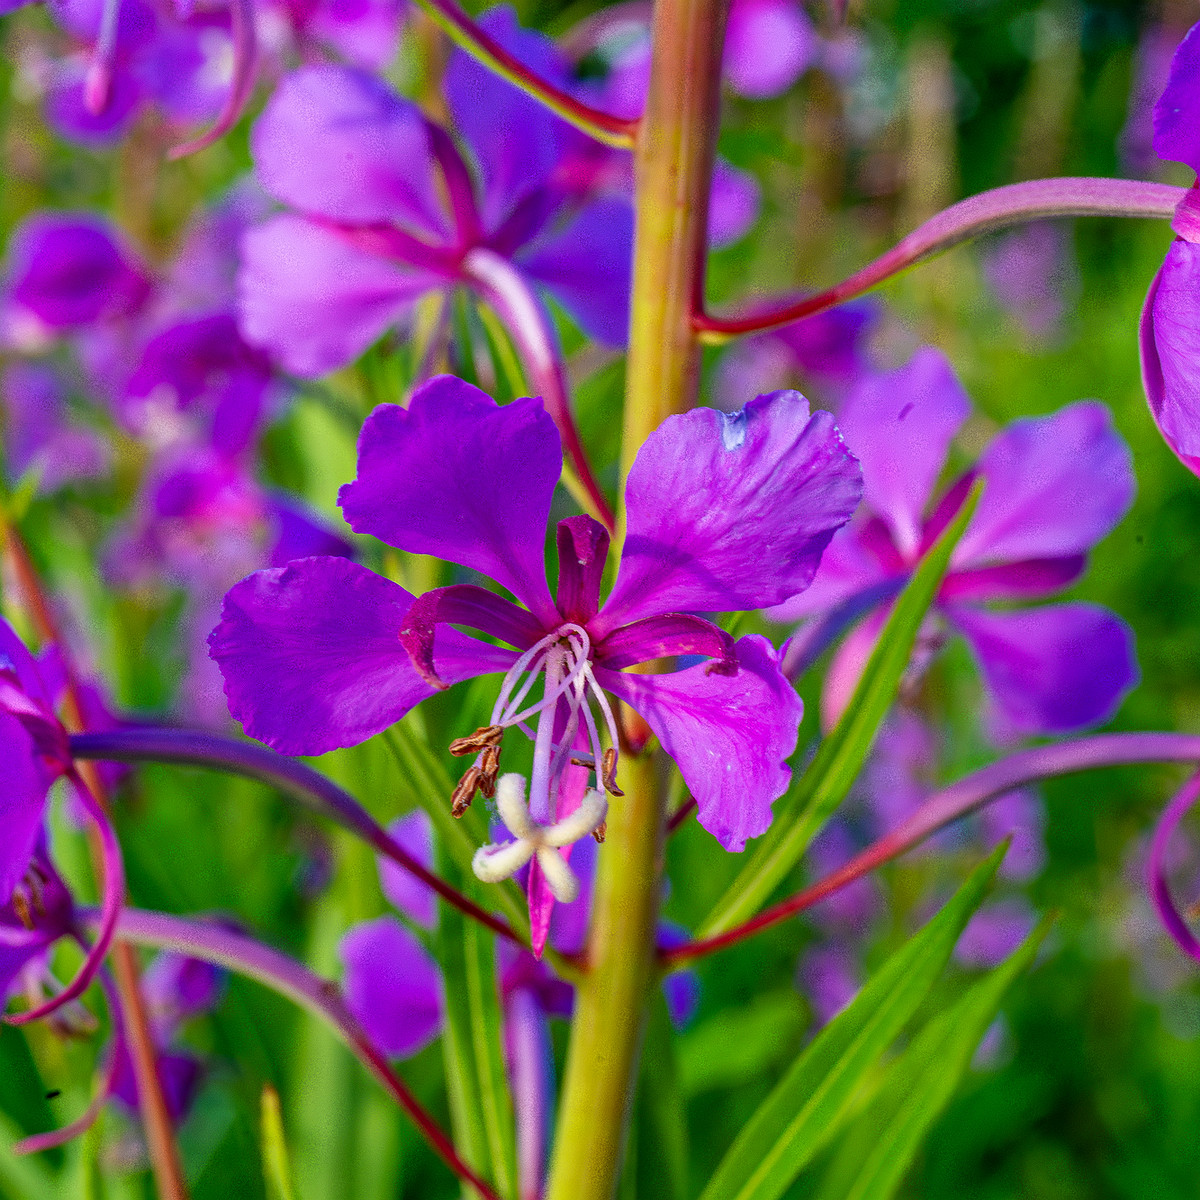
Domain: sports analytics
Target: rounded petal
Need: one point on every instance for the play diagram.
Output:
(312, 658)
(899, 425)
(1170, 343)
(1053, 669)
(587, 266)
(729, 734)
(733, 204)
(314, 299)
(731, 512)
(768, 45)
(457, 476)
(1054, 487)
(393, 988)
(337, 142)
(412, 897)
(1177, 113)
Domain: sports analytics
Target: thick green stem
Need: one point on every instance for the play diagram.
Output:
(673, 174)
(674, 160)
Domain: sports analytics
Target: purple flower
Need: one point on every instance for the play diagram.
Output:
(706, 496)
(387, 208)
(829, 976)
(1170, 327)
(1055, 485)
(39, 433)
(67, 271)
(365, 33)
(1032, 273)
(769, 44)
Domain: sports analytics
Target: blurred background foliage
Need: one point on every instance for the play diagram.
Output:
(1091, 1088)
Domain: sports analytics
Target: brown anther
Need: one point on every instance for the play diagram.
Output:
(608, 773)
(600, 832)
(21, 907)
(464, 793)
(581, 762)
(481, 739)
(489, 771)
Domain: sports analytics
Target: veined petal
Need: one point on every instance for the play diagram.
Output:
(1013, 581)
(899, 426)
(582, 554)
(731, 512)
(22, 803)
(1054, 487)
(462, 604)
(665, 636)
(1052, 669)
(314, 300)
(393, 988)
(1170, 343)
(587, 265)
(312, 658)
(729, 734)
(457, 476)
(337, 142)
(1177, 113)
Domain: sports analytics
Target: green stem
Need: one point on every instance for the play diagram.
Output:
(673, 175)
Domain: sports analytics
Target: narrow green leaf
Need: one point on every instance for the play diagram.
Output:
(662, 1163)
(277, 1166)
(483, 997)
(920, 1084)
(818, 792)
(811, 1101)
(26, 1177)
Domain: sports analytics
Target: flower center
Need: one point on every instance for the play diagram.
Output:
(562, 660)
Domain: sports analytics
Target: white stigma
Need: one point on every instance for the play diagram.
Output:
(496, 862)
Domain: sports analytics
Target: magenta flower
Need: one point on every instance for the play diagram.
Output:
(1054, 486)
(386, 208)
(724, 513)
(1170, 328)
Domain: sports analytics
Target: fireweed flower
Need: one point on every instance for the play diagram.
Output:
(1170, 327)
(724, 513)
(397, 210)
(36, 754)
(1055, 485)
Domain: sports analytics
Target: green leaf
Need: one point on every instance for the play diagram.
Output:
(817, 793)
(662, 1159)
(26, 1177)
(811, 1101)
(919, 1085)
(480, 1107)
(277, 1166)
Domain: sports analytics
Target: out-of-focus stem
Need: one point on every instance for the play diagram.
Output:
(156, 1117)
(604, 127)
(235, 951)
(673, 173)
(1013, 204)
(957, 801)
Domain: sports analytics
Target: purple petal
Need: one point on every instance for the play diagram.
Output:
(1170, 343)
(587, 266)
(459, 477)
(177, 988)
(22, 803)
(1177, 113)
(729, 735)
(72, 270)
(363, 32)
(664, 637)
(312, 658)
(515, 140)
(1018, 815)
(339, 143)
(393, 988)
(1014, 581)
(768, 46)
(994, 932)
(582, 555)
(1053, 669)
(314, 299)
(681, 989)
(832, 344)
(732, 205)
(302, 533)
(850, 568)
(900, 425)
(412, 897)
(1054, 487)
(731, 512)
(829, 977)
(178, 1074)
(70, 116)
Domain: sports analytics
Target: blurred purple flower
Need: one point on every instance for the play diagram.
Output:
(1170, 327)
(1151, 71)
(829, 976)
(705, 495)
(1055, 486)
(1032, 273)
(387, 208)
(994, 932)
(769, 44)
(364, 33)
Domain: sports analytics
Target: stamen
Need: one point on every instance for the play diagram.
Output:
(601, 831)
(481, 739)
(489, 771)
(464, 792)
(20, 905)
(609, 772)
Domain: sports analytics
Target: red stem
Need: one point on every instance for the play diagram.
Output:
(951, 803)
(984, 213)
